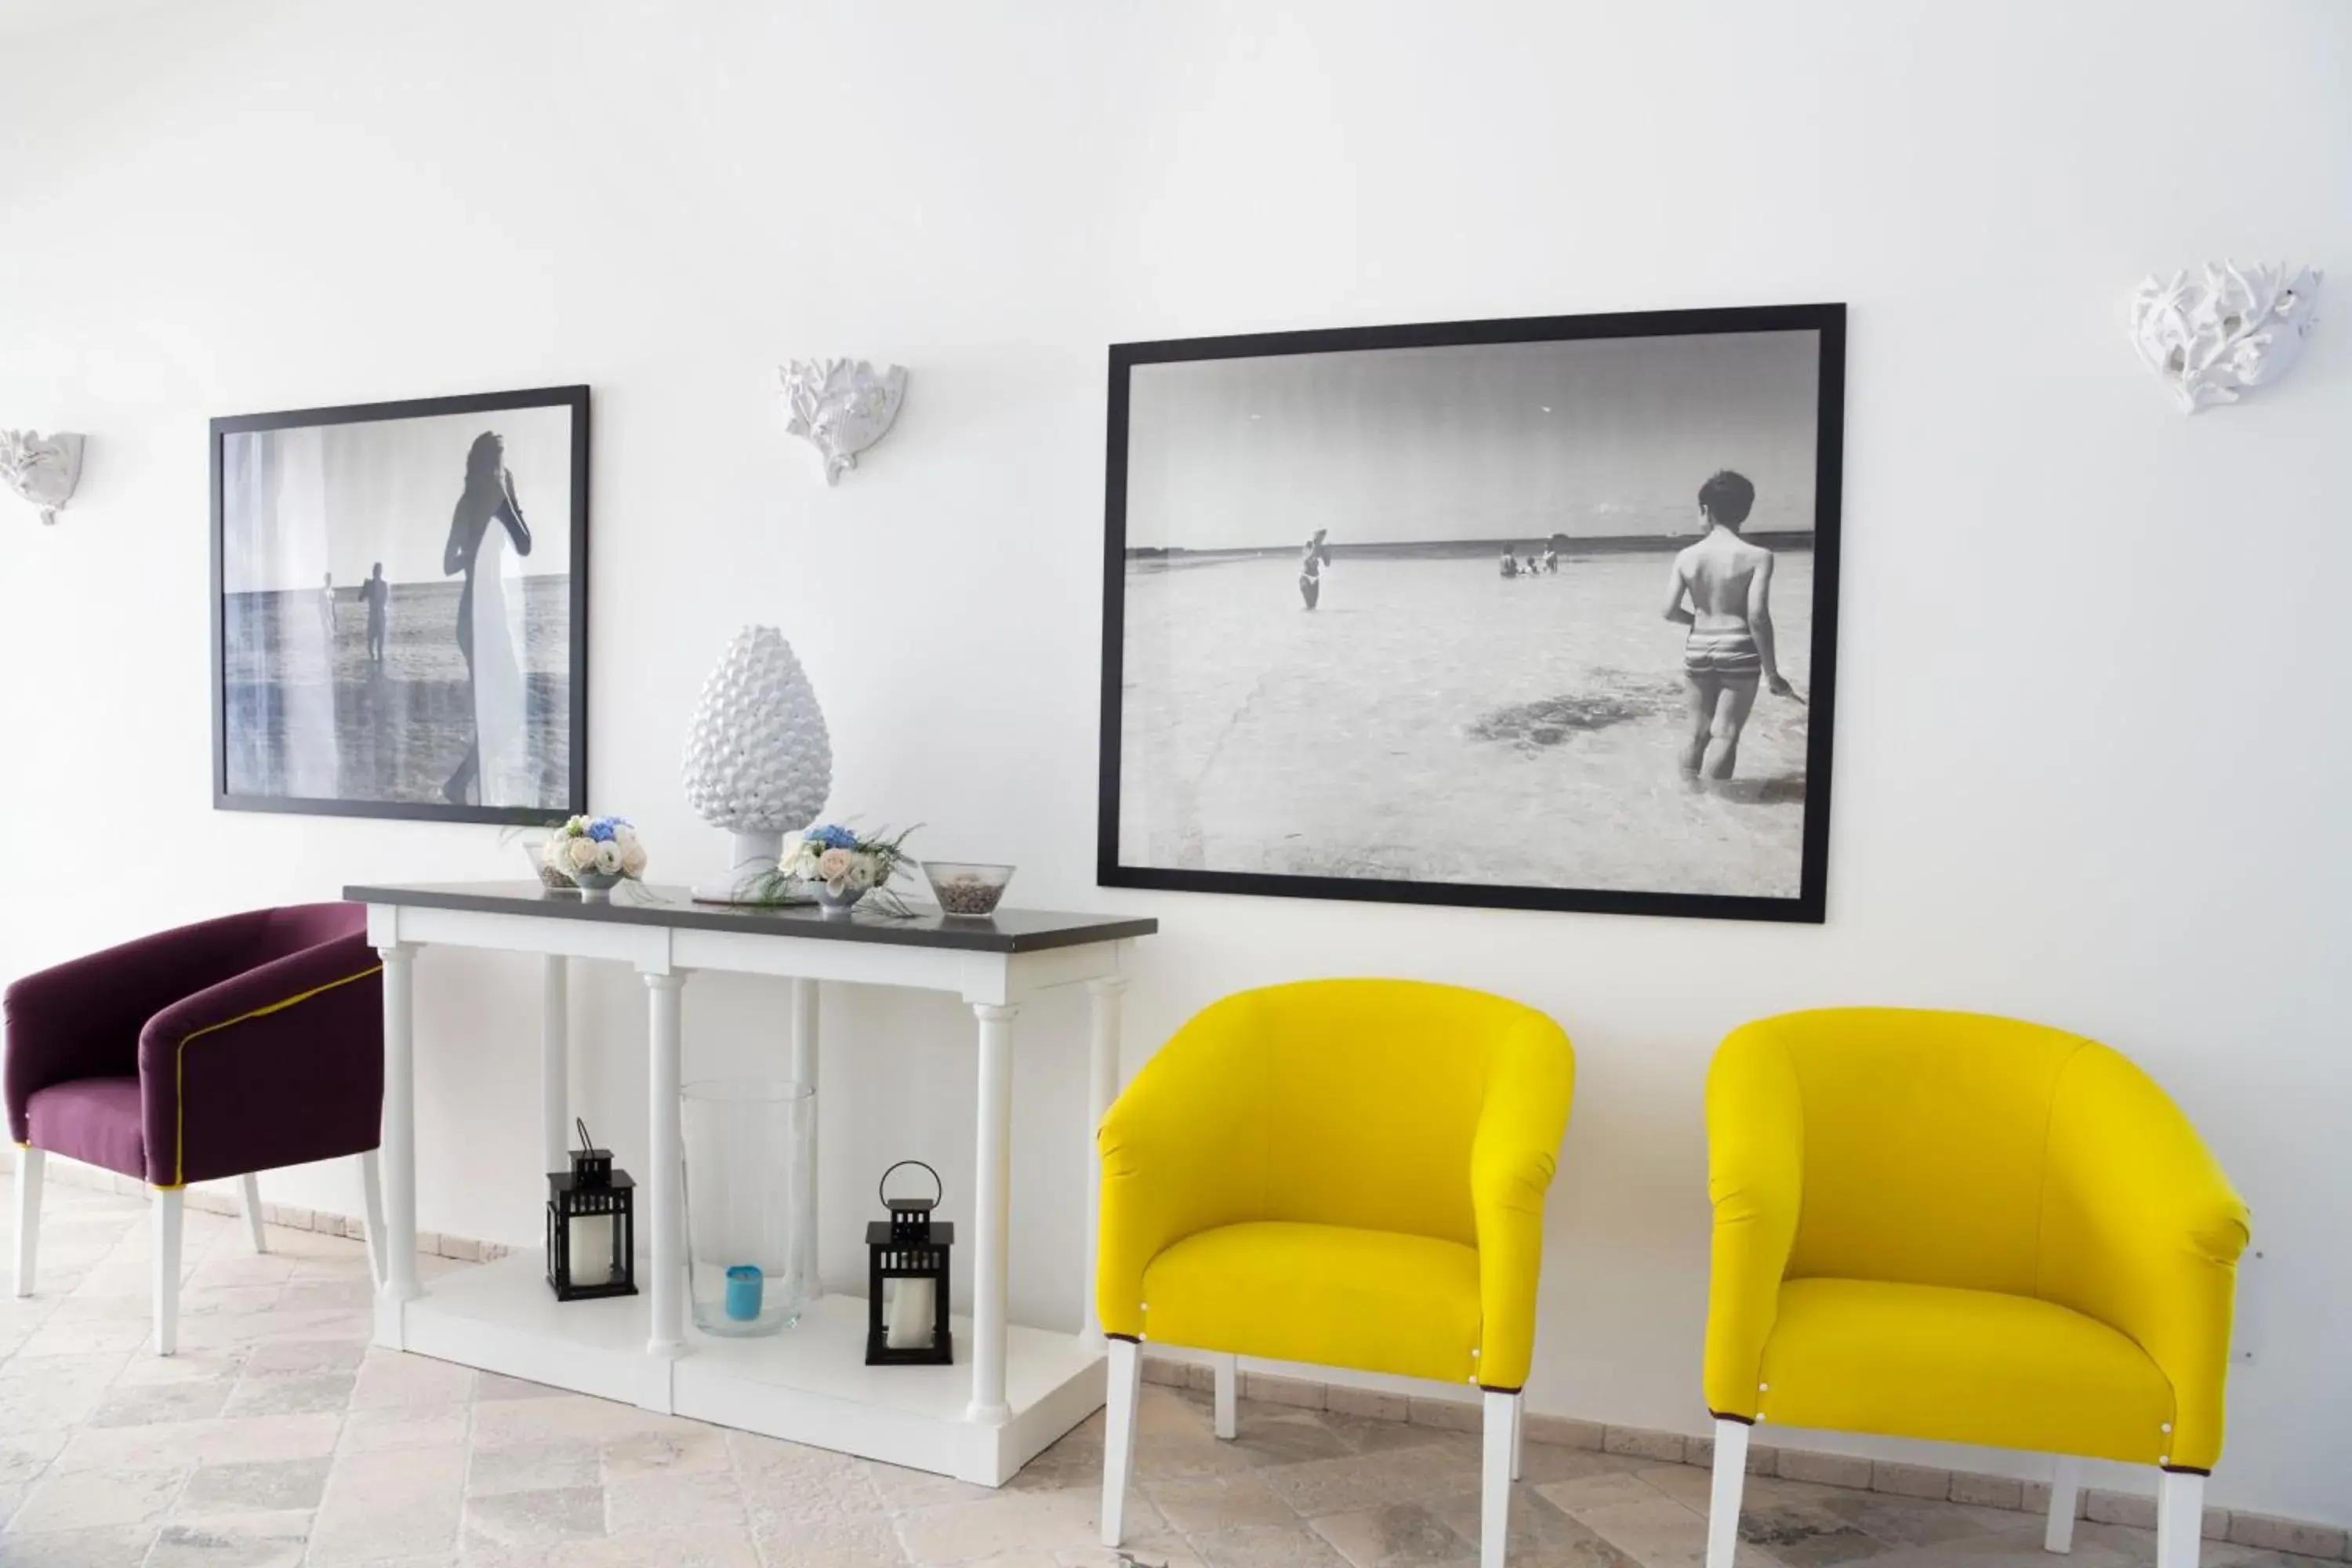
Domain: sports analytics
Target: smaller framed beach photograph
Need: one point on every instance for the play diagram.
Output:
(1535, 614)
(400, 608)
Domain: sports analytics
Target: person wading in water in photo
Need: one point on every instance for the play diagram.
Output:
(493, 664)
(1728, 583)
(378, 594)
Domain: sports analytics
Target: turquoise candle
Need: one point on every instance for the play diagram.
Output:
(744, 1283)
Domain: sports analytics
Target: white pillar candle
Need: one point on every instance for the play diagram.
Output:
(591, 1259)
(908, 1313)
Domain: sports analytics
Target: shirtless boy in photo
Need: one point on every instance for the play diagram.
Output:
(1728, 583)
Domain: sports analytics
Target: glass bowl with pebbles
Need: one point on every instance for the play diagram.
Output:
(549, 880)
(965, 889)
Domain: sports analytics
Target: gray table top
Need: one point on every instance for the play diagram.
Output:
(1007, 931)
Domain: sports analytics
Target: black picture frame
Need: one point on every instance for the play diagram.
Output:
(1811, 903)
(572, 399)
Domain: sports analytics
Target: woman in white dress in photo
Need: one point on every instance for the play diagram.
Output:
(493, 772)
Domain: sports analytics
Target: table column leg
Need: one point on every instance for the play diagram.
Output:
(1102, 1088)
(804, 1070)
(667, 1288)
(992, 1203)
(555, 1062)
(399, 1143)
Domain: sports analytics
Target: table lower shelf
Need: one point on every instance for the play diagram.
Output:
(807, 1384)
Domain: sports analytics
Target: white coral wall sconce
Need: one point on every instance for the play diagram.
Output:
(42, 469)
(2213, 339)
(842, 406)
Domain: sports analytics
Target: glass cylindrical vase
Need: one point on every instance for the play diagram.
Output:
(750, 1191)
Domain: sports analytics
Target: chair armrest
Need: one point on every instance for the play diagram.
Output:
(286, 1058)
(1183, 1150)
(2142, 1230)
(82, 1018)
(1754, 1177)
(1531, 1084)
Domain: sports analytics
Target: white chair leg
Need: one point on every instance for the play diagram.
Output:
(167, 1270)
(1502, 1424)
(371, 1204)
(249, 1185)
(1228, 1394)
(1723, 1497)
(2065, 1498)
(1118, 1435)
(1519, 1435)
(28, 1214)
(2179, 1519)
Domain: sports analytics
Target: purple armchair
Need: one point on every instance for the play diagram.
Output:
(219, 1050)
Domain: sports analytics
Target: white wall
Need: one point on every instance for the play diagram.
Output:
(2091, 734)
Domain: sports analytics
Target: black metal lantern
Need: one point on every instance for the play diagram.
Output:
(907, 1279)
(591, 1240)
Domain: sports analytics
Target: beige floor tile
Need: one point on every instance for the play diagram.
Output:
(1367, 1481)
(1403, 1535)
(1267, 1546)
(390, 1377)
(514, 1519)
(403, 1503)
(563, 1417)
(793, 1486)
(1008, 1521)
(152, 1404)
(1654, 1532)
(1160, 1550)
(691, 1500)
(94, 1498)
(142, 1368)
(405, 1426)
(869, 1542)
(693, 1451)
(290, 1395)
(1579, 1493)
(1194, 1504)
(271, 1539)
(267, 1486)
(531, 1468)
(26, 1451)
(120, 1547)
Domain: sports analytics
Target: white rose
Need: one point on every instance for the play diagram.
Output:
(861, 872)
(789, 855)
(582, 853)
(556, 853)
(833, 866)
(633, 859)
(608, 858)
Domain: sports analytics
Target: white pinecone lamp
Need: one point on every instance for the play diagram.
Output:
(758, 761)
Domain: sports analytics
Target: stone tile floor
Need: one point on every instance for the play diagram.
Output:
(278, 1437)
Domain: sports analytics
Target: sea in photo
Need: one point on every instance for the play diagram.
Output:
(1434, 720)
(311, 715)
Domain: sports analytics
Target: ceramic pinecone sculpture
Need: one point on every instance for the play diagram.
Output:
(758, 759)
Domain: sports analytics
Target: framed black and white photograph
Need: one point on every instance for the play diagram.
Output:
(1532, 614)
(400, 608)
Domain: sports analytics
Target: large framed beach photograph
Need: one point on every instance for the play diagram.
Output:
(1533, 613)
(400, 608)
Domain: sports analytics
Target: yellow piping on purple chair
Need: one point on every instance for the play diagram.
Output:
(179, 1069)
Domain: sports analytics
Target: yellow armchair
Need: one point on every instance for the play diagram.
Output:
(1347, 1173)
(1966, 1228)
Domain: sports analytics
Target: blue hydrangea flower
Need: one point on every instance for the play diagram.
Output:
(601, 830)
(832, 835)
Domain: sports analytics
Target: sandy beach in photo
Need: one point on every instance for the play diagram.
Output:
(1432, 720)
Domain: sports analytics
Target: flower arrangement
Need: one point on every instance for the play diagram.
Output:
(595, 851)
(840, 865)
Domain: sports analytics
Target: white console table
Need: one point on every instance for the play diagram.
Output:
(1013, 1389)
